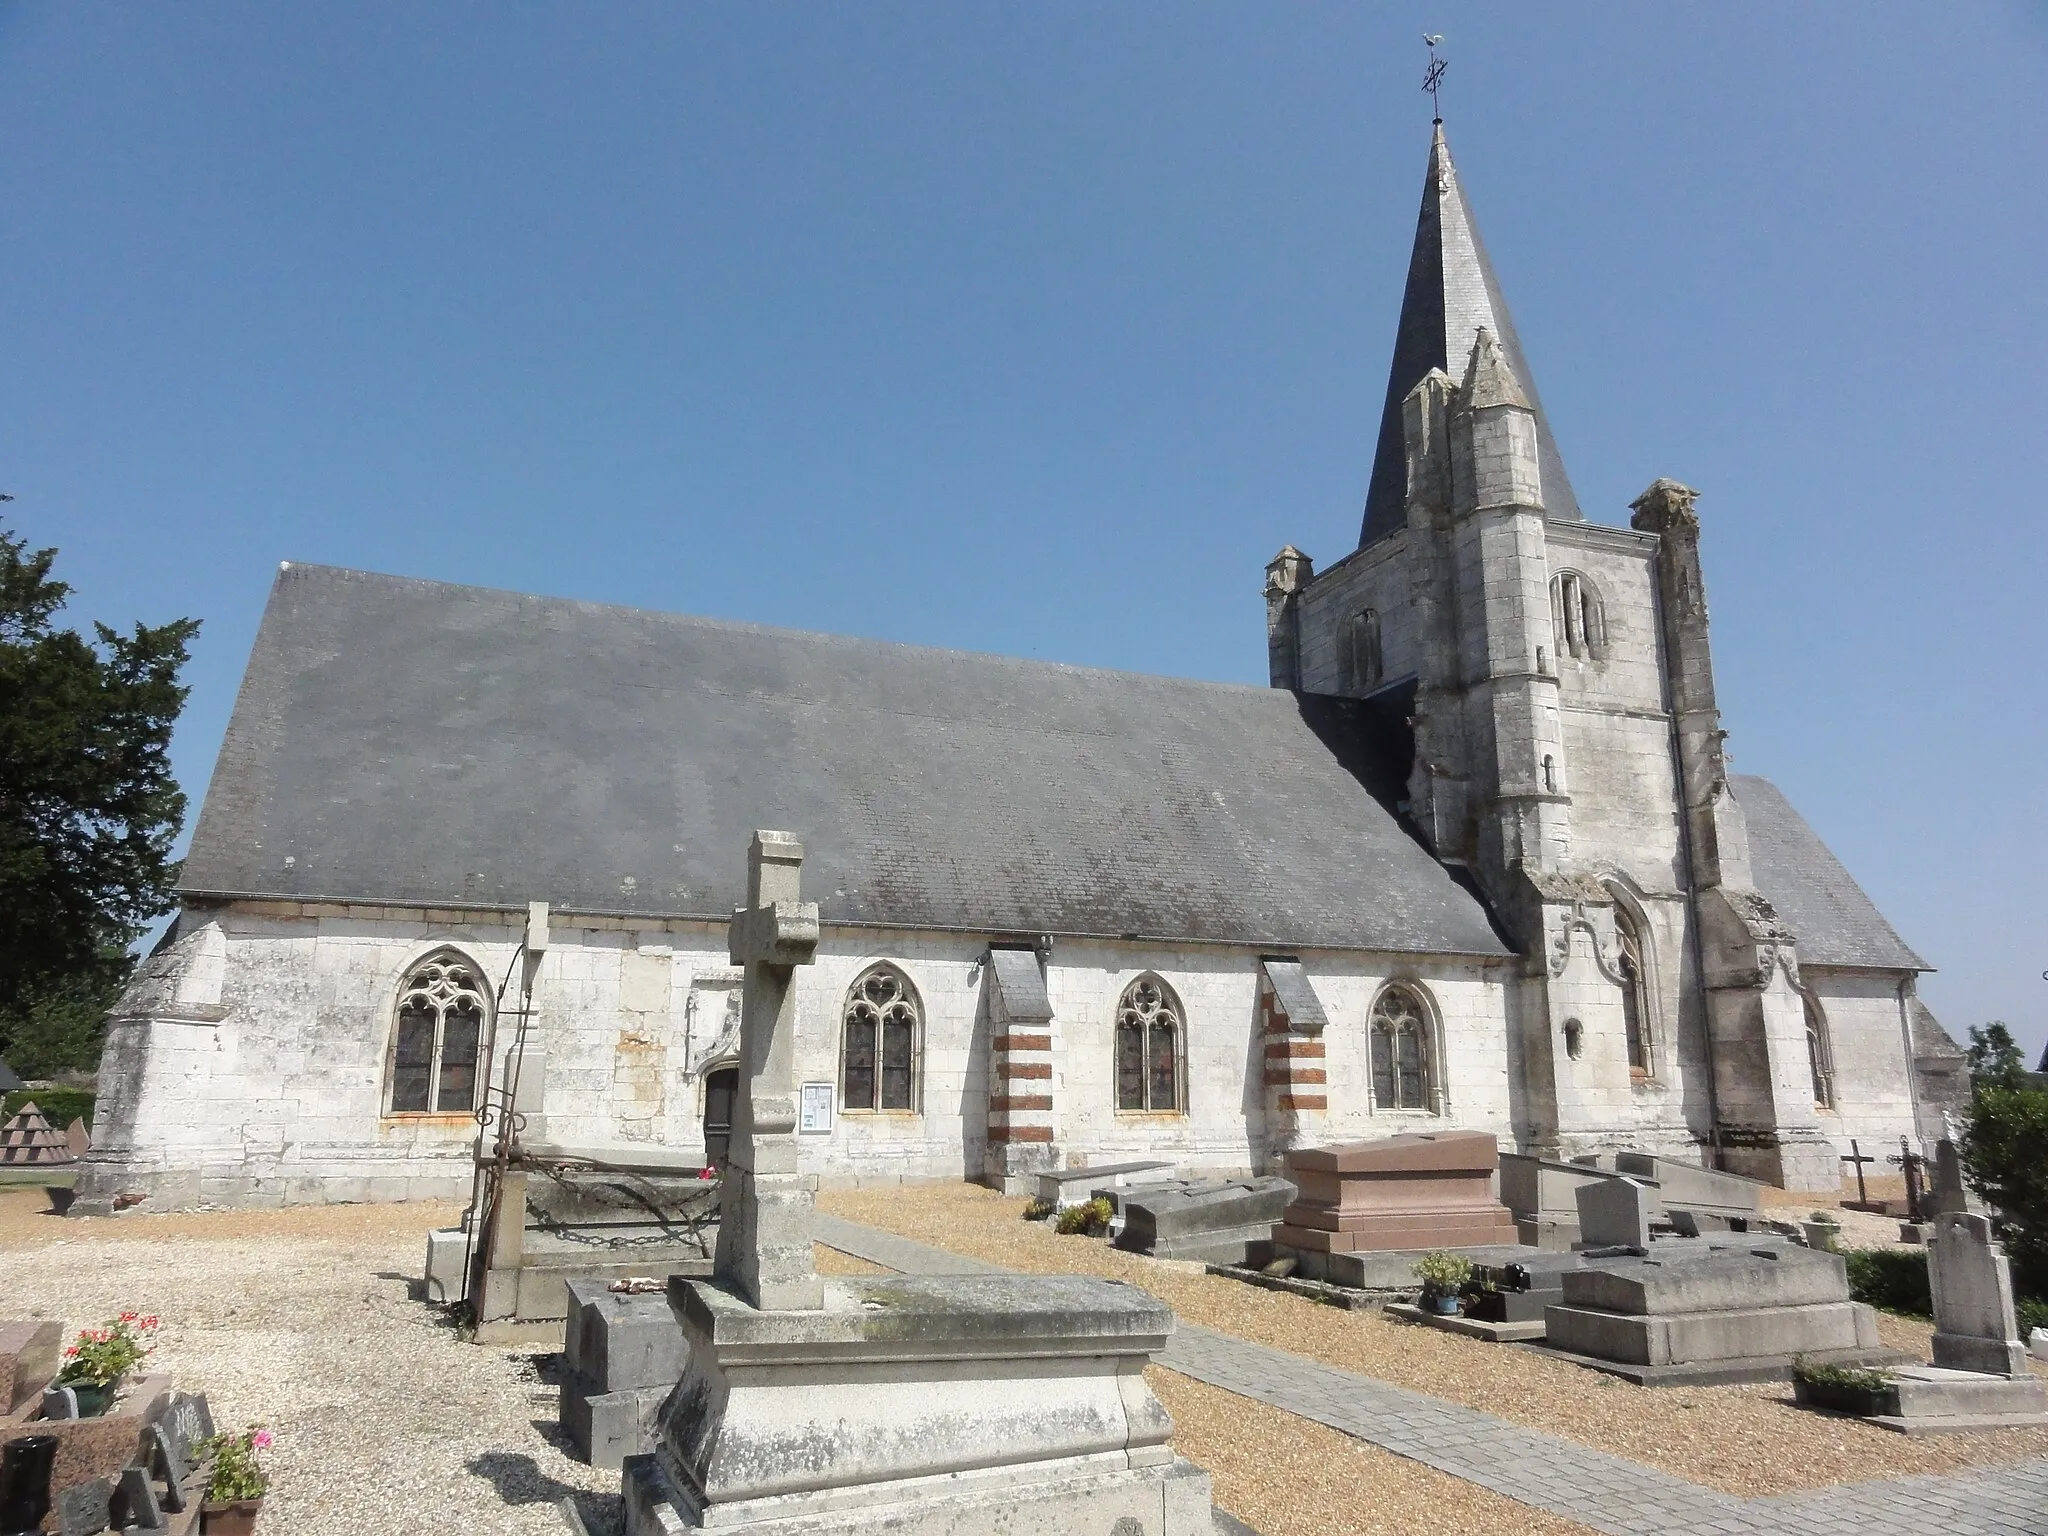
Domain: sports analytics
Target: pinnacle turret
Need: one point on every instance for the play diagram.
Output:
(1452, 295)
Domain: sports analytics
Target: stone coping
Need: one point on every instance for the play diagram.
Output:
(925, 1317)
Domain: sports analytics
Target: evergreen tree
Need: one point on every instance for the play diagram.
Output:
(88, 809)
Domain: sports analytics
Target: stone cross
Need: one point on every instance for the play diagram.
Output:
(1974, 1326)
(764, 1228)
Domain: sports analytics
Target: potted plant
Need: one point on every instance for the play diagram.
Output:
(1443, 1276)
(237, 1483)
(1823, 1231)
(1842, 1388)
(95, 1363)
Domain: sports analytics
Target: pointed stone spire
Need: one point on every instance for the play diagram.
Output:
(1488, 378)
(1452, 294)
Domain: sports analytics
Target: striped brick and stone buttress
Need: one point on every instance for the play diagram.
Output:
(1020, 1118)
(1297, 1081)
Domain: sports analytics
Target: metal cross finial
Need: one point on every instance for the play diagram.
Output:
(1433, 80)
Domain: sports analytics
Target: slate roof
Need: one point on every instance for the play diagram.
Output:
(422, 744)
(1835, 923)
(1451, 293)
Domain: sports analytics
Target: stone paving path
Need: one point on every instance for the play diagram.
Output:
(1608, 1493)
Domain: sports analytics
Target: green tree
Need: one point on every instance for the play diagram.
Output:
(2002, 1152)
(1994, 1057)
(88, 808)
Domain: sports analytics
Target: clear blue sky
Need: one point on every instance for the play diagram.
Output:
(1038, 328)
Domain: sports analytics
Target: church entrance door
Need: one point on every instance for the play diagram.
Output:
(720, 1089)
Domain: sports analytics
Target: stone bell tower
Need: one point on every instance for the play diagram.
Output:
(1567, 752)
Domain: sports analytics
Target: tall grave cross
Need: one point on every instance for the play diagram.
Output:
(764, 1227)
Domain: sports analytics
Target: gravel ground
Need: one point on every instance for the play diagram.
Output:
(1744, 1440)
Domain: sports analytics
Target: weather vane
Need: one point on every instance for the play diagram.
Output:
(1433, 80)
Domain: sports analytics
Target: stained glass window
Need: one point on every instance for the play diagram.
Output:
(880, 1043)
(441, 1011)
(1148, 1046)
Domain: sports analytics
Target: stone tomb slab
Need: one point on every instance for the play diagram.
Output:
(622, 1354)
(1065, 1187)
(1699, 1313)
(28, 1359)
(1932, 1400)
(920, 1405)
(1427, 1190)
(1212, 1221)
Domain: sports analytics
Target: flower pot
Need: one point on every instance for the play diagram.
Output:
(236, 1517)
(1822, 1236)
(1446, 1305)
(93, 1396)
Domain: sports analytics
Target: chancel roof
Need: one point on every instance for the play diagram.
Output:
(1834, 922)
(420, 744)
(1451, 295)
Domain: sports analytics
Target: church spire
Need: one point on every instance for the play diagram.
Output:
(1452, 295)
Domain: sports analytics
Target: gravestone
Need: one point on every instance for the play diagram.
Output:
(135, 1504)
(1707, 1311)
(86, 1509)
(1427, 1190)
(160, 1459)
(902, 1404)
(622, 1354)
(1615, 1213)
(1717, 1201)
(1542, 1195)
(1211, 1220)
(1063, 1188)
(1974, 1325)
(1949, 1193)
(188, 1422)
(28, 1359)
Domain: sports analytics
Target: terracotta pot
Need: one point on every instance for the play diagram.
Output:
(237, 1517)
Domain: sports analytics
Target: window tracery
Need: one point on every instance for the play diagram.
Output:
(1150, 1037)
(1577, 617)
(1359, 657)
(1403, 1066)
(1820, 1057)
(1635, 992)
(442, 1006)
(881, 1042)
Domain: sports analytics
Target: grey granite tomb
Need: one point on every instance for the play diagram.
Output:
(1210, 1220)
(899, 1404)
(1705, 1311)
(622, 1353)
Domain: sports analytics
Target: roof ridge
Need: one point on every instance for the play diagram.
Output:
(748, 626)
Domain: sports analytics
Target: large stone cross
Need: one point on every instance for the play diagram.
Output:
(764, 1227)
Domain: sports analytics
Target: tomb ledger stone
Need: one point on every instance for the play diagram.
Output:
(1428, 1190)
(905, 1405)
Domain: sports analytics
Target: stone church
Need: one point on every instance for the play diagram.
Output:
(1474, 859)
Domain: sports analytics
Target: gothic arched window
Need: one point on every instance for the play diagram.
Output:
(1150, 1037)
(1819, 1056)
(1635, 991)
(1403, 1069)
(881, 1042)
(442, 1006)
(1577, 617)
(1359, 659)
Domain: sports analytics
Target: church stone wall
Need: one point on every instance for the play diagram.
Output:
(1376, 577)
(1866, 1039)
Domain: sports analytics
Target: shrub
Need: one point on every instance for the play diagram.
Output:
(2001, 1150)
(1090, 1219)
(1442, 1273)
(236, 1474)
(1816, 1374)
(2033, 1313)
(1038, 1210)
(1894, 1279)
(60, 1106)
